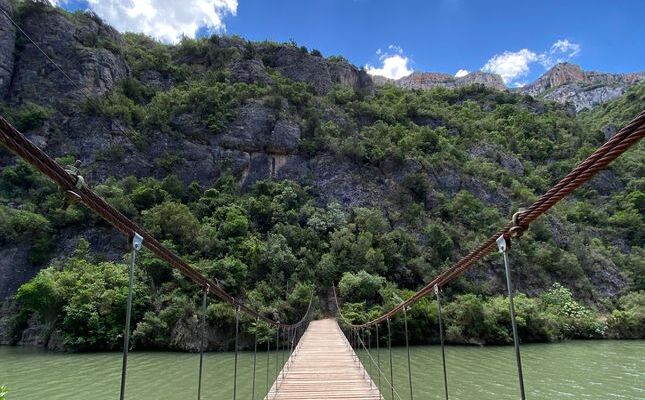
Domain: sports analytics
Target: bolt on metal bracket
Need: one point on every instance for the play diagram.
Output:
(501, 244)
(137, 241)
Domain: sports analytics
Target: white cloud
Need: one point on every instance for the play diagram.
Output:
(395, 48)
(395, 65)
(561, 51)
(166, 20)
(512, 66)
(565, 46)
(461, 73)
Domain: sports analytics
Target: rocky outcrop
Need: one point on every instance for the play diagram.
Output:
(77, 48)
(429, 80)
(321, 73)
(7, 44)
(568, 82)
(15, 269)
(483, 78)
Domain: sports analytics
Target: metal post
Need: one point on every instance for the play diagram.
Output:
(282, 354)
(407, 347)
(277, 350)
(361, 339)
(255, 356)
(137, 241)
(369, 350)
(268, 361)
(237, 335)
(203, 340)
(503, 248)
(378, 356)
(443, 353)
(389, 346)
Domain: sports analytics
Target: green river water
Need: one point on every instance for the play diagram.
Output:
(571, 370)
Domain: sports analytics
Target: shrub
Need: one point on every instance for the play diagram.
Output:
(628, 320)
(85, 300)
(27, 117)
(567, 318)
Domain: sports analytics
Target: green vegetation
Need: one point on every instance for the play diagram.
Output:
(459, 163)
(475, 319)
(3, 392)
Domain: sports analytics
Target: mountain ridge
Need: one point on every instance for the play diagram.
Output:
(564, 82)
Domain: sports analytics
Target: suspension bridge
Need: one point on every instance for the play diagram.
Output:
(322, 361)
(322, 356)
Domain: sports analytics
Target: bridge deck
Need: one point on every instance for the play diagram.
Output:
(323, 366)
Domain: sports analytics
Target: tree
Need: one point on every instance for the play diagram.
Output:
(172, 221)
(360, 287)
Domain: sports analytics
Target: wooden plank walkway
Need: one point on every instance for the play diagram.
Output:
(323, 366)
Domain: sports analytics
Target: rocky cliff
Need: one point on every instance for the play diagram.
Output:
(260, 142)
(429, 80)
(7, 44)
(567, 82)
(564, 83)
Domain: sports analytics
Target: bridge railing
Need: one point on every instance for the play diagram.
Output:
(624, 139)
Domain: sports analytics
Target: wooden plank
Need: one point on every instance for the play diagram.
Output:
(323, 366)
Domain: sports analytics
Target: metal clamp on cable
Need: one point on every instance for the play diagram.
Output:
(517, 230)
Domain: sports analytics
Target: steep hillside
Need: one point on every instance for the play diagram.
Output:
(278, 171)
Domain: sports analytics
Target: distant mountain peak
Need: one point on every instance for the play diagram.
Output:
(563, 73)
(429, 80)
(564, 82)
(567, 82)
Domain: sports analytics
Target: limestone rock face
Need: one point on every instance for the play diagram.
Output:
(484, 78)
(7, 44)
(567, 82)
(429, 80)
(256, 128)
(322, 74)
(76, 48)
(249, 71)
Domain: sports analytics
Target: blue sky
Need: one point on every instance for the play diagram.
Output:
(519, 40)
